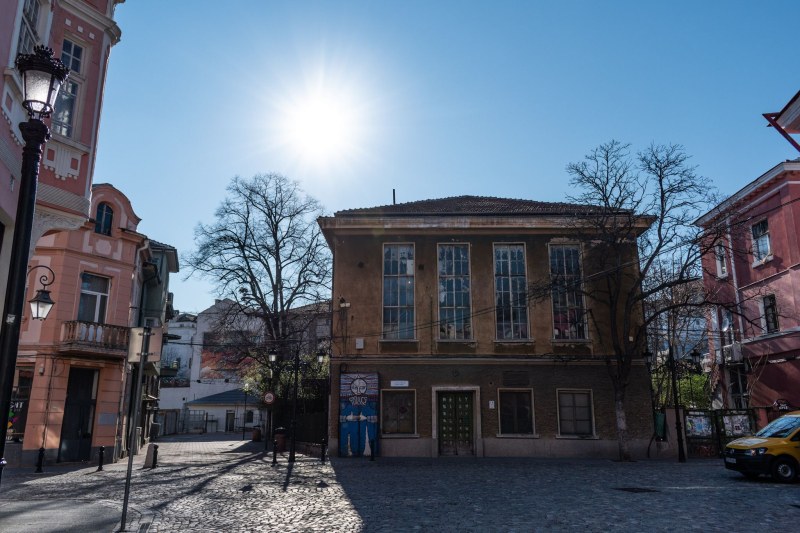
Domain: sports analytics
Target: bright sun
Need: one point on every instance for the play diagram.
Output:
(322, 127)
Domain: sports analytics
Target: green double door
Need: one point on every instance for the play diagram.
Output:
(456, 423)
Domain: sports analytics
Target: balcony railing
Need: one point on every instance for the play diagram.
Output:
(97, 337)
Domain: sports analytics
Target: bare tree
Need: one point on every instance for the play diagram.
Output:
(639, 242)
(266, 254)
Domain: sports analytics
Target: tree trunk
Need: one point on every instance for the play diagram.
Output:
(622, 424)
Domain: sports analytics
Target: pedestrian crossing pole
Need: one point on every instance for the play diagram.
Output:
(145, 333)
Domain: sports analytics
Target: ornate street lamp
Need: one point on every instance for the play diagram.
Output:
(42, 303)
(42, 76)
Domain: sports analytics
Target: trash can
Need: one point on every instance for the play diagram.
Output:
(256, 434)
(280, 439)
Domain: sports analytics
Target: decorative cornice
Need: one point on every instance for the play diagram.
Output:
(45, 220)
(82, 9)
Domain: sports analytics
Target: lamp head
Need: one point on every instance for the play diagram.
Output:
(273, 356)
(42, 76)
(41, 304)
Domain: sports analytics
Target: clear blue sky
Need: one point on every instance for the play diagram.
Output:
(440, 98)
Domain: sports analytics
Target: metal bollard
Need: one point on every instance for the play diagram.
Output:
(322, 455)
(372, 450)
(40, 461)
(155, 455)
(275, 451)
(101, 458)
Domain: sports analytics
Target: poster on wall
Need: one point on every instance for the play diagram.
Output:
(358, 414)
(737, 425)
(698, 425)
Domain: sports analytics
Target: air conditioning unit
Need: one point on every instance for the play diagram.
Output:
(732, 353)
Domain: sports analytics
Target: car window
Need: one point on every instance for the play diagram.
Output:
(780, 428)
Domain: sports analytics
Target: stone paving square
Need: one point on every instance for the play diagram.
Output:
(219, 483)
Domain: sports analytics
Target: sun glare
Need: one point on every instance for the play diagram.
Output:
(322, 127)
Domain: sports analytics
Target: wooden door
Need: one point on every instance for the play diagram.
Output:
(456, 423)
(76, 429)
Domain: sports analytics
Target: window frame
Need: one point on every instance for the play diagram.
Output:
(58, 126)
(71, 60)
(467, 326)
(576, 435)
(398, 307)
(579, 307)
(500, 392)
(383, 404)
(721, 259)
(769, 314)
(511, 307)
(29, 27)
(760, 255)
(105, 225)
(99, 298)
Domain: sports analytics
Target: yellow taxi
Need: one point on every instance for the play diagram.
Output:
(774, 450)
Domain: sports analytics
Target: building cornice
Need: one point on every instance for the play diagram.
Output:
(83, 10)
(747, 190)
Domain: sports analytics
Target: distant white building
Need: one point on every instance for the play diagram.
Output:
(191, 368)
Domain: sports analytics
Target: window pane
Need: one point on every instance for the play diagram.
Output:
(568, 312)
(397, 412)
(64, 114)
(87, 307)
(454, 287)
(575, 413)
(510, 292)
(516, 414)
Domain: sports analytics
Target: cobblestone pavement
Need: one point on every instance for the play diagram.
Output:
(206, 483)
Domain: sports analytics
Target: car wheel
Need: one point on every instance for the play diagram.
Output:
(784, 469)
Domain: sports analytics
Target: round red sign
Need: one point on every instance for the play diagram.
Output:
(269, 398)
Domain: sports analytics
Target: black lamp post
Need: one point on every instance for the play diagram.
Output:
(320, 360)
(42, 76)
(246, 390)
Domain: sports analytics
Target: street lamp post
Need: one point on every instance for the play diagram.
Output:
(293, 426)
(246, 390)
(321, 359)
(42, 76)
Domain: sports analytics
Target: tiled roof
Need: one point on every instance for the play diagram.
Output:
(472, 205)
(230, 397)
(155, 244)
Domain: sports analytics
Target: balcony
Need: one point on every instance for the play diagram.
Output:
(91, 337)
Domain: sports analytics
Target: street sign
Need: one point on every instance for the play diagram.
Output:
(269, 398)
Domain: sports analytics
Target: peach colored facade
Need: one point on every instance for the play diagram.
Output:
(65, 178)
(757, 350)
(96, 282)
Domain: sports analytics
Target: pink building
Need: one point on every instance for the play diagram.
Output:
(72, 380)
(755, 270)
(81, 33)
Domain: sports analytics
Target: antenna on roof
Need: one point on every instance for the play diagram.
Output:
(394, 198)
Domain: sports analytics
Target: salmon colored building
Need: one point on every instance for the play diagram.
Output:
(73, 378)
(81, 33)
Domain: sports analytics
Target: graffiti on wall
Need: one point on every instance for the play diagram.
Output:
(358, 414)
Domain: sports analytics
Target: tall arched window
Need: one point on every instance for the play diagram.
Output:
(103, 220)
